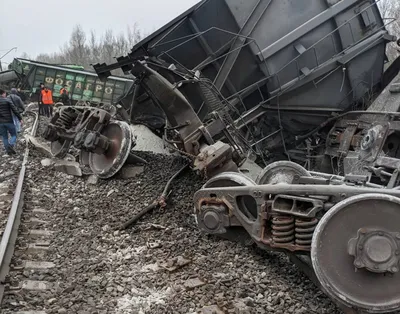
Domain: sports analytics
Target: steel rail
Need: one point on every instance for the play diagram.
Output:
(9, 237)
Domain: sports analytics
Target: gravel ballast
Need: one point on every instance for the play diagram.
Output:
(161, 265)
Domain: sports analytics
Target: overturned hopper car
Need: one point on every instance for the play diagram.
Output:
(281, 65)
(82, 85)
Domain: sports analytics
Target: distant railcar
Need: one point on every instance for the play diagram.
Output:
(82, 85)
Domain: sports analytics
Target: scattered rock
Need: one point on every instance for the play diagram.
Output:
(51, 301)
(211, 309)
(150, 226)
(68, 167)
(191, 284)
(151, 267)
(241, 307)
(105, 271)
(128, 257)
(153, 245)
(129, 172)
(175, 263)
(7, 174)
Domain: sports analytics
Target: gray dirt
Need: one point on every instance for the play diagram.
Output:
(103, 270)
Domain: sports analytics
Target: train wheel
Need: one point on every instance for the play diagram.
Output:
(356, 252)
(209, 219)
(60, 148)
(107, 165)
(281, 172)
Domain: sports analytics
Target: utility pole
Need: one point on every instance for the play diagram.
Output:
(1, 67)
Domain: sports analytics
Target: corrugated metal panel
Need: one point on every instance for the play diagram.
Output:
(300, 54)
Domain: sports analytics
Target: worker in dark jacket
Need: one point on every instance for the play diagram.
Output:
(39, 94)
(17, 101)
(21, 95)
(7, 109)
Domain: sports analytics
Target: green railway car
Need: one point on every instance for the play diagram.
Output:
(82, 85)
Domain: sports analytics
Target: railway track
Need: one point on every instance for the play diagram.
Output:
(11, 229)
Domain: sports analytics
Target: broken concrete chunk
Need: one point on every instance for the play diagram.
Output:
(193, 283)
(42, 147)
(147, 141)
(68, 167)
(92, 179)
(128, 172)
(47, 162)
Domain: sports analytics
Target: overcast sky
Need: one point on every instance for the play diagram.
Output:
(45, 25)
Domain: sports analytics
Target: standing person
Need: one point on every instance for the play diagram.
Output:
(21, 94)
(64, 95)
(47, 100)
(39, 94)
(17, 101)
(7, 109)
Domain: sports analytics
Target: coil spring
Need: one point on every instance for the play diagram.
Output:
(66, 119)
(283, 231)
(304, 231)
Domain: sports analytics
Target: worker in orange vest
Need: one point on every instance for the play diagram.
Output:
(47, 100)
(64, 95)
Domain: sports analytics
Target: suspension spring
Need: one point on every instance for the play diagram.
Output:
(66, 119)
(283, 230)
(304, 232)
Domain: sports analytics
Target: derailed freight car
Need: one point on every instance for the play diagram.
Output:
(236, 77)
(82, 85)
(280, 65)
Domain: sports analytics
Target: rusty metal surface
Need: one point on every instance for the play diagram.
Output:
(292, 233)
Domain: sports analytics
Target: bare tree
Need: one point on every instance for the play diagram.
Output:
(94, 47)
(134, 35)
(56, 58)
(87, 50)
(121, 45)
